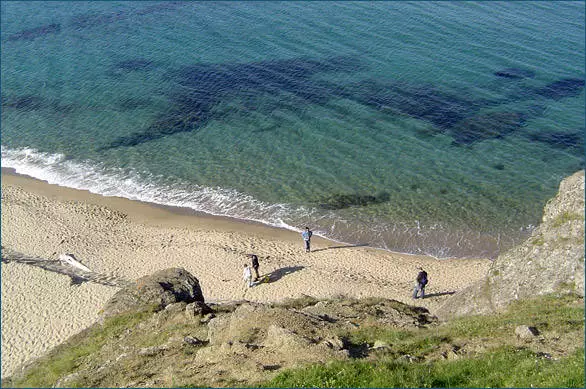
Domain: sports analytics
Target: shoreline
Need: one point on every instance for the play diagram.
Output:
(129, 239)
(40, 186)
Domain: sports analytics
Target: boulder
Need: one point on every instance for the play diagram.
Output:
(381, 345)
(156, 292)
(526, 333)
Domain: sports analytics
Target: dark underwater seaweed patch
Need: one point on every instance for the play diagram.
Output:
(515, 73)
(567, 87)
(204, 86)
(93, 19)
(33, 33)
(23, 103)
(131, 103)
(166, 126)
(133, 65)
(97, 19)
(291, 75)
(347, 200)
(559, 139)
(486, 126)
(427, 103)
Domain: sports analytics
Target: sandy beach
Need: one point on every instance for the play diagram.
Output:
(128, 239)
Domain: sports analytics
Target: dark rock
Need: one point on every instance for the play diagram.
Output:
(515, 73)
(340, 201)
(567, 87)
(37, 32)
(193, 341)
(156, 292)
(197, 308)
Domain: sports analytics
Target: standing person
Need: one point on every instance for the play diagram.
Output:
(247, 275)
(307, 239)
(255, 266)
(420, 283)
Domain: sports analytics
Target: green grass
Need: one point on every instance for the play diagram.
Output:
(566, 217)
(498, 365)
(64, 359)
(483, 351)
(505, 367)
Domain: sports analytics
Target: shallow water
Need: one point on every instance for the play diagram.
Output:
(422, 127)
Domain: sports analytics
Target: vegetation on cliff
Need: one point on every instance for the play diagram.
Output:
(321, 343)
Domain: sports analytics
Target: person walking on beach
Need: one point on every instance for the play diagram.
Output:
(307, 239)
(420, 283)
(247, 275)
(255, 266)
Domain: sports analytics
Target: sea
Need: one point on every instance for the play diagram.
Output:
(438, 128)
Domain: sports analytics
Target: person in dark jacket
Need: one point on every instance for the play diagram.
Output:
(307, 239)
(420, 283)
(255, 266)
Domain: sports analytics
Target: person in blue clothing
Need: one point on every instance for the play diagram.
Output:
(420, 283)
(307, 239)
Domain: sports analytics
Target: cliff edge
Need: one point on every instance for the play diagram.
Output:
(551, 260)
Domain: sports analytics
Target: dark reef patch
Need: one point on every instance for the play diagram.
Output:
(347, 200)
(94, 19)
(98, 19)
(204, 86)
(33, 33)
(131, 103)
(167, 126)
(567, 87)
(23, 103)
(562, 140)
(515, 73)
(295, 82)
(29, 103)
(133, 65)
(486, 126)
(427, 103)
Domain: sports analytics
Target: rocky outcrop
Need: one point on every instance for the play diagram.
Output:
(237, 344)
(156, 292)
(551, 260)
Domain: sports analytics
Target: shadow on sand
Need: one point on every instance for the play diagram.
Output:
(438, 294)
(280, 273)
(339, 247)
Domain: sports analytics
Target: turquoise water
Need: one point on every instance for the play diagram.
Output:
(422, 127)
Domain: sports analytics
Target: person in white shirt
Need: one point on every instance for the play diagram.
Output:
(247, 275)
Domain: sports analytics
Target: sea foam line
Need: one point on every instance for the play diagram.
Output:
(60, 170)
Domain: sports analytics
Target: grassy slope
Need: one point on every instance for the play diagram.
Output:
(473, 352)
(479, 351)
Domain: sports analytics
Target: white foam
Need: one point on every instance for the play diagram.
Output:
(414, 238)
(58, 169)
